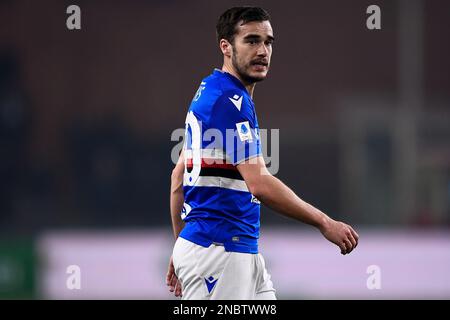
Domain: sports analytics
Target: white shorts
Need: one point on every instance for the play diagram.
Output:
(213, 273)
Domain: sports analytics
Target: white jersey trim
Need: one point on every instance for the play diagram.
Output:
(221, 182)
(207, 153)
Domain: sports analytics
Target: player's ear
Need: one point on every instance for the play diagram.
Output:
(225, 47)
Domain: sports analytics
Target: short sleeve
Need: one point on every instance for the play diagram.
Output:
(233, 116)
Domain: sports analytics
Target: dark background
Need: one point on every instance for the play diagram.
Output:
(86, 115)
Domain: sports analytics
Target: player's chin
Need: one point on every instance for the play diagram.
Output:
(258, 75)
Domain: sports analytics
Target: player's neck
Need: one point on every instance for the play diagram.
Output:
(249, 86)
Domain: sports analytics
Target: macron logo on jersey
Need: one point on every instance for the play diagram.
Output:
(237, 101)
(210, 283)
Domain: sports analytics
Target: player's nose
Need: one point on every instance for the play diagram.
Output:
(262, 51)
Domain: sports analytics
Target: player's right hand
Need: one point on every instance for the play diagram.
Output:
(340, 234)
(172, 280)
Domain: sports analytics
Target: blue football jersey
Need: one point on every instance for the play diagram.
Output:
(221, 132)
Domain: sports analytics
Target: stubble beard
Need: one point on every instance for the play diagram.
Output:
(241, 70)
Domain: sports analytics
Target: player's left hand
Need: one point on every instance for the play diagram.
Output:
(341, 234)
(172, 280)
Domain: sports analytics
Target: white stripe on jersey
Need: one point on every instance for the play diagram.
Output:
(207, 153)
(227, 183)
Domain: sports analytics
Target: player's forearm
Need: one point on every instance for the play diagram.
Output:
(276, 195)
(176, 203)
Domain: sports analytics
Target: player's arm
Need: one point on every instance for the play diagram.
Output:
(276, 195)
(176, 204)
(176, 196)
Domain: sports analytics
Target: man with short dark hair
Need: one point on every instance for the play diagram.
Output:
(221, 176)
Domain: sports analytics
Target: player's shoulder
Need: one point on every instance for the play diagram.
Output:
(232, 93)
(229, 85)
(221, 92)
(221, 85)
(207, 93)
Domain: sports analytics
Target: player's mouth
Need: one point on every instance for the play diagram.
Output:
(260, 65)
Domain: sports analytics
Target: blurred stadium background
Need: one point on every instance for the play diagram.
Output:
(86, 118)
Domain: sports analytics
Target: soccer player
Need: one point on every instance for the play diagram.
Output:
(221, 177)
